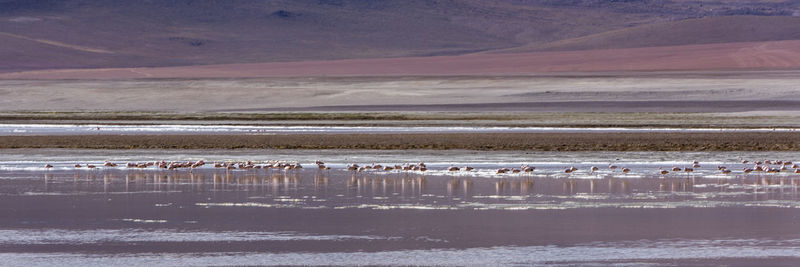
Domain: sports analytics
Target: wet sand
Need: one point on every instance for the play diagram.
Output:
(723, 141)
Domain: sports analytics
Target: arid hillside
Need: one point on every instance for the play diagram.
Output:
(711, 30)
(50, 34)
(775, 55)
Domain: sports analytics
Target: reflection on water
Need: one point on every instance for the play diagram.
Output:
(216, 216)
(343, 189)
(671, 252)
(67, 237)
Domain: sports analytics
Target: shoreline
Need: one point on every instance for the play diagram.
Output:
(744, 120)
(729, 141)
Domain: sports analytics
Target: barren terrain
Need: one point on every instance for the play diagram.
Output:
(722, 91)
(728, 56)
(50, 34)
(708, 30)
(553, 63)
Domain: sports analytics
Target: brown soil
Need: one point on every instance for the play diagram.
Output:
(525, 141)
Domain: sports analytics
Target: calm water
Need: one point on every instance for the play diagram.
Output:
(81, 129)
(210, 216)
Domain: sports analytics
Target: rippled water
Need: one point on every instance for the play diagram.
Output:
(211, 216)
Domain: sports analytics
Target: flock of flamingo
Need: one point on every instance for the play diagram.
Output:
(768, 166)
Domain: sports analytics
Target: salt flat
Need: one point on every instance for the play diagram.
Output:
(750, 91)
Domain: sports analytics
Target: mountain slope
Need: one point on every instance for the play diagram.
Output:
(776, 55)
(685, 32)
(46, 34)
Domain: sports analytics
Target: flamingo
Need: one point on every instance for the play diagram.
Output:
(528, 168)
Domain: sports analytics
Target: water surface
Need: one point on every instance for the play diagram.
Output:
(92, 129)
(212, 216)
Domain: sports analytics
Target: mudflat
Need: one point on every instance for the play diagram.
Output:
(723, 141)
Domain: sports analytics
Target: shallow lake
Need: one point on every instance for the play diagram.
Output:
(130, 129)
(215, 216)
